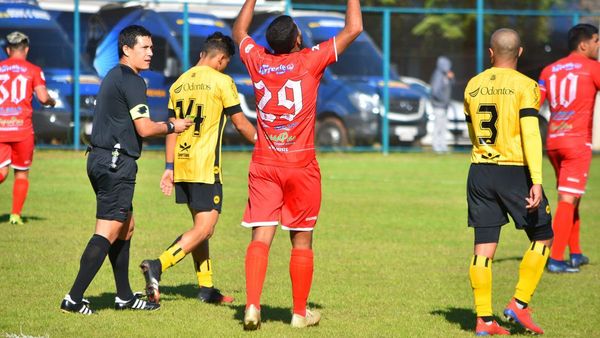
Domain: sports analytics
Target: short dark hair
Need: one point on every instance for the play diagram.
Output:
(282, 34)
(218, 42)
(580, 32)
(128, 36)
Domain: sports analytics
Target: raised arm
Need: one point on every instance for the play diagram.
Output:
(243, 21)
(352, 28)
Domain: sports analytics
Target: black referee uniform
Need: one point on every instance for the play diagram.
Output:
(115, 143)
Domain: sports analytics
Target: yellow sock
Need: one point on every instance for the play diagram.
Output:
(530, 270)
(480, 273)
(204, 272)
(171, 256)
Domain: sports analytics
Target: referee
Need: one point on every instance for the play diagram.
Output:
(121, 120)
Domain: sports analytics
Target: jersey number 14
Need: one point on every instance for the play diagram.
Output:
(189, 113)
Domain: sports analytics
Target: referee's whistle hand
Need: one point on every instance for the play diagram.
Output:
(182, 124)
(535, 197)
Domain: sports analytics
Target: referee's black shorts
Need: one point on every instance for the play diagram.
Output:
(200, 196)
(113, 187)
(493, 191)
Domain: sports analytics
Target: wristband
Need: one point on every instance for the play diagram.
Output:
(170, 127)
(169, 166)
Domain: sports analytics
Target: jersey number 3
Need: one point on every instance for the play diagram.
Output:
(489, 124)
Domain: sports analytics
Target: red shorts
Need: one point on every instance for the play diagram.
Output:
(18, 154)
(571, 166)
(290, 196)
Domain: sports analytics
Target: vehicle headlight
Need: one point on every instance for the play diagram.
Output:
(366, 103)
(56, 96)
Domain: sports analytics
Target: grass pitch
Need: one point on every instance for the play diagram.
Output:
(391, 255)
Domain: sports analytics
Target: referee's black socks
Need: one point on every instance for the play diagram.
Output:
(119, 259)
(91, 260)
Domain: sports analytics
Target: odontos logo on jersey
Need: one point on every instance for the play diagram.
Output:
(492, 91)
(192, 86)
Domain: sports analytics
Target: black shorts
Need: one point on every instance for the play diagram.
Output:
(200, 196)
(113, 188)
(495, 190)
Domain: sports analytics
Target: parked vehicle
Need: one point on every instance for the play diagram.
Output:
(51, 50)
(349, 104)
(166, 27)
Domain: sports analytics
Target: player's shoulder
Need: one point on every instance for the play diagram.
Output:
(248, 46)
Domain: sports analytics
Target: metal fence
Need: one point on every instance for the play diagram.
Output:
(403, 50)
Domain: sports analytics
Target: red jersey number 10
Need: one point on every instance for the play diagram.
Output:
(567, 91)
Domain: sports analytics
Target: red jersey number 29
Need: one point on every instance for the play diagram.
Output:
(295, 104)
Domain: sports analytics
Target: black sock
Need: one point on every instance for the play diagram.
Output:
(119, 259)
(487, 319)
(91, 260)
(521, 303)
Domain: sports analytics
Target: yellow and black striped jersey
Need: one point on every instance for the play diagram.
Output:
(495, 101)
(206, 96)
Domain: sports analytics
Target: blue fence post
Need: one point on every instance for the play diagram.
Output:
(385, 135)
(479, 36)
(76, 71)
(288, 7)
(186, 38)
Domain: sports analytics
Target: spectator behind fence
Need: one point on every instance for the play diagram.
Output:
(442, 80)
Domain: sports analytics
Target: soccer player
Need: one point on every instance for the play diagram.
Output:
(505, 177)
(570, 85)
(193, 161)
(18, 80)
(284, 180)
(121, 119)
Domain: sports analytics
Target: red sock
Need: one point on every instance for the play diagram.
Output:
(301, 273)
(574, 247)
(257, 259)
(20, 187)
(563, 223)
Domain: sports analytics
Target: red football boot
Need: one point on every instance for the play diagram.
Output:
(521, 316)
(484, 329)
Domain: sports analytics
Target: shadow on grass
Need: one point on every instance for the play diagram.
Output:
(105, 300)
(464, 317)
(507, 259)
(4, 218)
(269, 313)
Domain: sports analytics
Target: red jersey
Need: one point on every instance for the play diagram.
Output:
(18, 78)
(570, 85)
(285, 87)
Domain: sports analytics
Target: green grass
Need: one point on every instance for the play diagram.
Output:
(392, 251)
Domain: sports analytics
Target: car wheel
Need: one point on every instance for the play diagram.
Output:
(331, 132)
